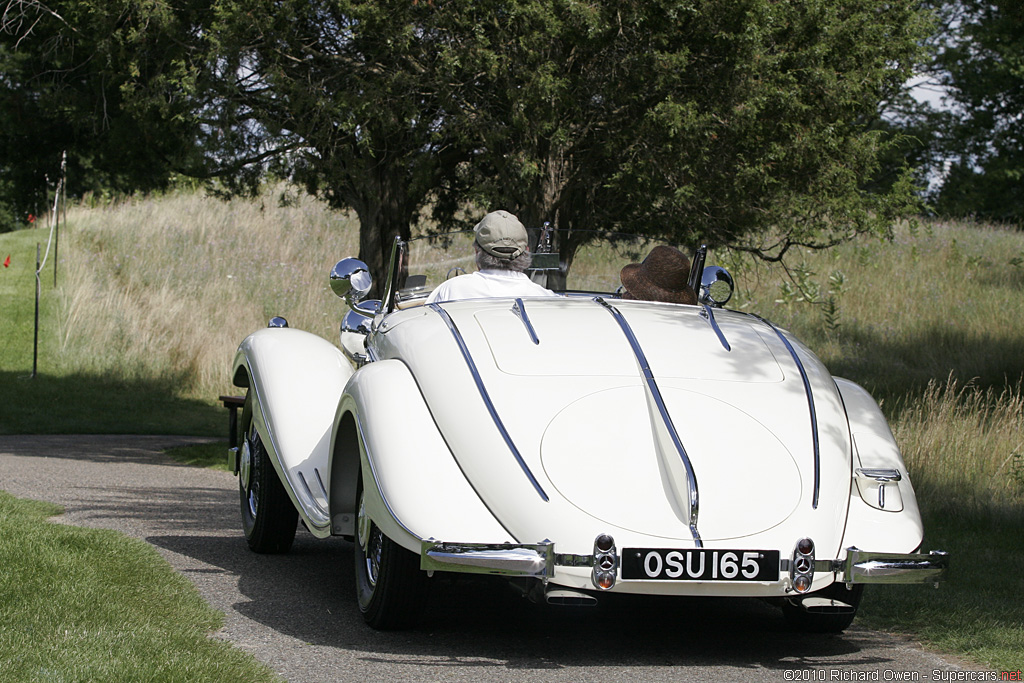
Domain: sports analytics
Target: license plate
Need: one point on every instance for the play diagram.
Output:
(700, 564)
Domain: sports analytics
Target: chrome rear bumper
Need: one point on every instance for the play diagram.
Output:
(539, 560)
(504, 559)
(861, 566)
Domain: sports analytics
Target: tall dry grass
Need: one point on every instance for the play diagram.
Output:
(932, 322)
(965, 447)
(895, 315)
(165, 289)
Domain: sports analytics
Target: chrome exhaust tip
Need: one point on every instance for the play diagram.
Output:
(569, 598)
(819, 605)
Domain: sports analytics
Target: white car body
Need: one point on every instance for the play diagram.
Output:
(523, 437)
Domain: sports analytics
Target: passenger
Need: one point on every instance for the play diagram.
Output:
(502, 254)
(663, 276)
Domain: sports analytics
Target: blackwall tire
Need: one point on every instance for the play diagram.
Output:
(269, 519)
(390, 586)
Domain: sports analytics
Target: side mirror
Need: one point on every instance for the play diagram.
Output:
(716, 286)
(354, 330)
(351, 280)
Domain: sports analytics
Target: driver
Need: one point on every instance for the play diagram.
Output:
(501, 257)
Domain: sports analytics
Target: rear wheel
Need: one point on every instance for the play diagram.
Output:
(817, 616)
(389, 583)
(268, 517)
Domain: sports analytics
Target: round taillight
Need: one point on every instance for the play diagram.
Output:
(805, 546)
(802, 584)
(604, 543)
(605, 580)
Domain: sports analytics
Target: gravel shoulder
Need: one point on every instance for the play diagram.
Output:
(297, 612)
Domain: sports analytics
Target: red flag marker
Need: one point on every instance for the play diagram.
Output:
(7, 261)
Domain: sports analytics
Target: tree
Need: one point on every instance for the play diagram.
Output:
(341, 96)
(751, 123)
(982, 63)
(101, 80)
(742, 122)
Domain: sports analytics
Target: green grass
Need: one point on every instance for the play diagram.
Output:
(92, 605)
(211, 455)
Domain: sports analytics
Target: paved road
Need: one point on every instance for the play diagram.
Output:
(297, 612)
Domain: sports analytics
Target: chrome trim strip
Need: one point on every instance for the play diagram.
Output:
(570, 560)
(709, 315)
(320, 482)
(312, 499)
(810, 406)
(652, 385)
(868, 567)
(504, 559)
(829, 566)
(519, 308)
(883, 475)
(487, 398)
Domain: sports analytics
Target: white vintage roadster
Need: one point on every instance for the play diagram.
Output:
(578, 445)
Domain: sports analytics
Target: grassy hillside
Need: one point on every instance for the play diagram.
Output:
(155, 295)
(153, 298)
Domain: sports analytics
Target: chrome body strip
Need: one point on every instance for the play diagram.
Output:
(320, 483)
(652, 385)
(519, 308)
(570, 560)
(819, 565)
(867, 567)
(310, 498)
(810, 406)
(487, 398)
(503, 559)
(883, 475)
(708, 314)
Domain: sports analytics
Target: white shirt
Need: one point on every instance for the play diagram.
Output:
(485, 284)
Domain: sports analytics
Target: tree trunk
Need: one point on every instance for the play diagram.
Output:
(381, 220)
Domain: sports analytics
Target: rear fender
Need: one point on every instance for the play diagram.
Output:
(883, 514)
(414, 489)
(295, 380)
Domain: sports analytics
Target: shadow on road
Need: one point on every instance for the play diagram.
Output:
(309, 595)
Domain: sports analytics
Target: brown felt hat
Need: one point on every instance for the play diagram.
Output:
(663, 276)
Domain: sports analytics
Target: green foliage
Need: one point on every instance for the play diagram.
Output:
(983, 64)
(743, 122)
(209, 455)
(103, 81)
(732, 122)
(977, 611)
(343, 97)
